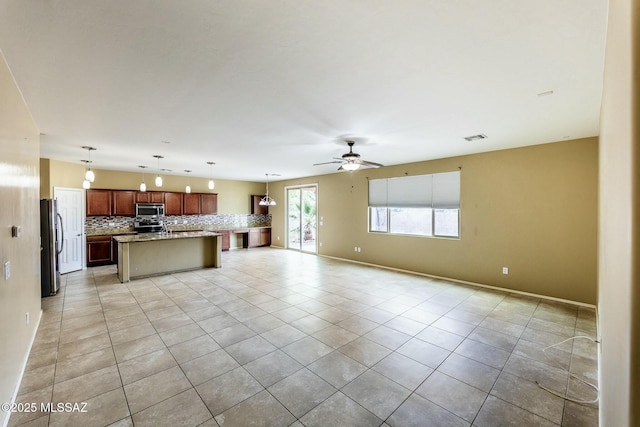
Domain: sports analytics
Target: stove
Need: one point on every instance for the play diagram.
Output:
(148, 225)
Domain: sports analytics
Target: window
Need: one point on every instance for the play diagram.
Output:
(421, 205)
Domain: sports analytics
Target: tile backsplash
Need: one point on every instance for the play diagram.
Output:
(183, 221)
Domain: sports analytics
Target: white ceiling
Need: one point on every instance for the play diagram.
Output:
(273, 86)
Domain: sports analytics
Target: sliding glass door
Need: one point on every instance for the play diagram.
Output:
(302, 224)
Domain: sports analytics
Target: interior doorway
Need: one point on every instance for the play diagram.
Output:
(302, 218)
(71, 210)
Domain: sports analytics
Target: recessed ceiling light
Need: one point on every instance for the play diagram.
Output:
(475, 137)
(166, 142)
(547, 93)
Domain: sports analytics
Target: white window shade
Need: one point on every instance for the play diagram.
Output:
(446, 190)
(410, 191)
(440, 191)
(378, 193)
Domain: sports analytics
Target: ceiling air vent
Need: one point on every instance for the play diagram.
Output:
(475, 137)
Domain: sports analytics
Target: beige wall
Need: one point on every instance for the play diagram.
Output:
(618, 282)
(19, 191)
(233, 196)
(531, 209)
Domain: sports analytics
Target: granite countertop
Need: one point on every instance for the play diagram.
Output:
(145, 237)
(174, 228)
(109, 231)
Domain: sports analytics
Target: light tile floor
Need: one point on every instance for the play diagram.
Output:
(279, 338)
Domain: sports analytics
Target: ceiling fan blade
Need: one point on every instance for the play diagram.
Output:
(370, 164)
(326, 163)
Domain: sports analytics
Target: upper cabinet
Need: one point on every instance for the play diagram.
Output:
(208, 203)
(149, 197)
(173, 203)
(99, 202)
(256, 207)
(124, 203)
(200, 203)
(191, 204)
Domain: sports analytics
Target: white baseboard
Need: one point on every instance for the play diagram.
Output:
(24, 366)
(465, 282)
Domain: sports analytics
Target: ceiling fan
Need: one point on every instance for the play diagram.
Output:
(351, 161)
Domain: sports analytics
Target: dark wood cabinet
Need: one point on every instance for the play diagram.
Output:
(99, 250)
(191, 204)
(124, 202)
(99, 202)
(265, 237)
(226, 239)
(149, 197)
(256, 207)
(254, 238)
(259, 237)
(173, 203)
(208, 204)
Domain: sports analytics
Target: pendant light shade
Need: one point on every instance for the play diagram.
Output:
(143, 186)
(187, 189)
(158, 178)
(89, 176)
(212, 184)
(266, 200)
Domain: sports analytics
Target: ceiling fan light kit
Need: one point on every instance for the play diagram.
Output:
(351, 161)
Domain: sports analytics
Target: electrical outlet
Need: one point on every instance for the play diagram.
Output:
(355, 249)
(505, 270)
(320, 243)
(112, 224)
(7, 270)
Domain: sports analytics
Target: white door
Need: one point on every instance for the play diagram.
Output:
(71, 210)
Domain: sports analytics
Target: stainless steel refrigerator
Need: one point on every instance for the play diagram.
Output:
(51, 242)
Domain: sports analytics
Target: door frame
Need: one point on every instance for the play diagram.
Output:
(286, 215)
(83, 210)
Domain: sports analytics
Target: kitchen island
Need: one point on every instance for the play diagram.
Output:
(151, 254)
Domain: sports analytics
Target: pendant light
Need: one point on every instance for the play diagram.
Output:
(86, 184)
(266, 200)
(158, 178)
(143, 186)
(187, 189)
(89, 175)
(211, 183)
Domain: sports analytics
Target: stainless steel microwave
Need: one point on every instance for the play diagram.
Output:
(147, 210)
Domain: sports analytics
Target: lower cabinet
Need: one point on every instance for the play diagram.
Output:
(226, 239)
(100, 251)
(259, 237)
